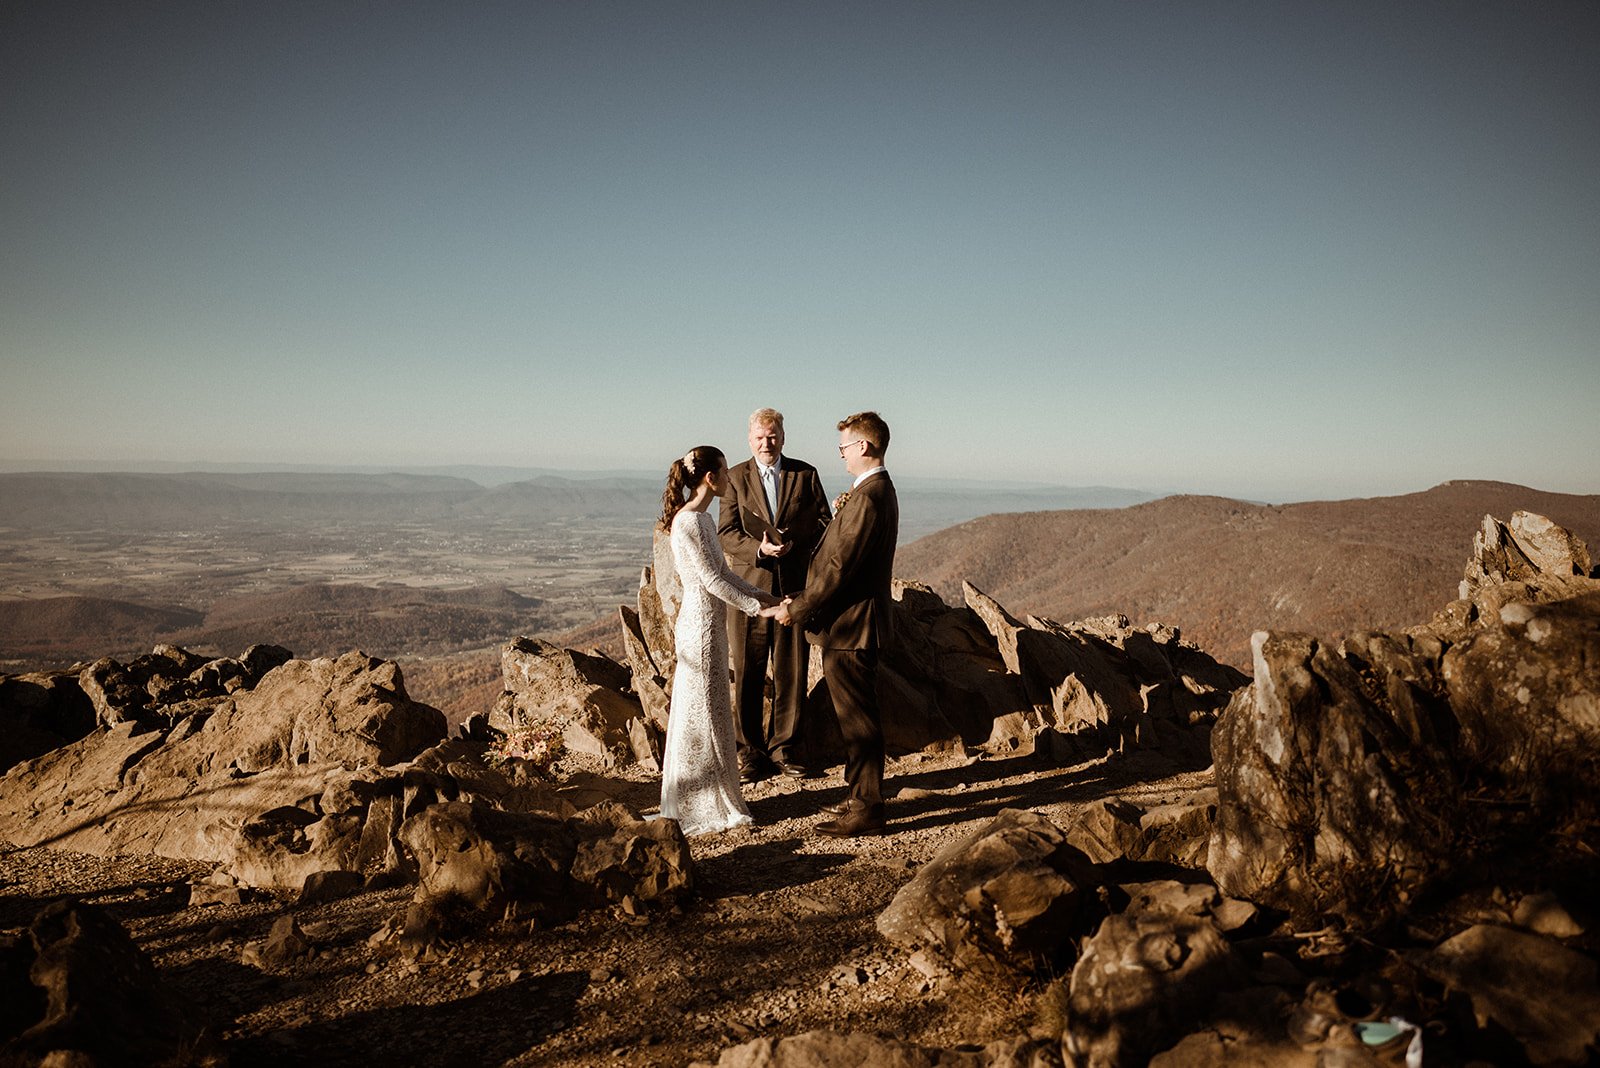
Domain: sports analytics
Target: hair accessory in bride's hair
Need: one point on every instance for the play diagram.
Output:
(688, 461)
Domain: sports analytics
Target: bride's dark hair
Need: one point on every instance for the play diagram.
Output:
(683, 476)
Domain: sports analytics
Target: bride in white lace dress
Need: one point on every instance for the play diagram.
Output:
(700, 770)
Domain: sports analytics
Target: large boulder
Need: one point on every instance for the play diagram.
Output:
(1013, 893)
(591, 696)
(79, 991)
(1526, 692)
(1543, 994)
(1353, 778)
(492, 860)
(622, 858)
(1143, 981)
(837, 1049)
(39, 712)
(352, 711)
(519, 863)
(1325, 803)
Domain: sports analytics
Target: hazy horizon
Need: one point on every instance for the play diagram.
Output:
(504, 474)
(1278, 252)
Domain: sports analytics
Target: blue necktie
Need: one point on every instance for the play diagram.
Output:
(769, 482)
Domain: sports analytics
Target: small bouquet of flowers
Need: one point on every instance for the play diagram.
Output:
(537, 743)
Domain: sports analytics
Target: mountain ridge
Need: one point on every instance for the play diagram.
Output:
(1220, 568)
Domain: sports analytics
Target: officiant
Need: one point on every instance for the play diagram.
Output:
(770, 520)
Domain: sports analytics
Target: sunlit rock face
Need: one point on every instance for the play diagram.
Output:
(1353, 778)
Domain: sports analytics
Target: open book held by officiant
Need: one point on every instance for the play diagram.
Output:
(759, 526)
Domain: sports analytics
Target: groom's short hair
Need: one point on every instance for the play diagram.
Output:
(766, 417)
(869, 427)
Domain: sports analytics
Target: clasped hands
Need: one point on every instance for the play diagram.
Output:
(779, 611)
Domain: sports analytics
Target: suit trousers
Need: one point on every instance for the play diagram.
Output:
(750, 643)
(852, 676)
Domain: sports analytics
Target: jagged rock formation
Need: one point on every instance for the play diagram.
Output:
(186, 780)
(1354, 779)
(315, 775)
(1012, 894)
(538, 865)
(1530, 551)
(45, 710)
(970, 675)
(592, 696)
(78, 991)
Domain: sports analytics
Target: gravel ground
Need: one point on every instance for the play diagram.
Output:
(778, 939)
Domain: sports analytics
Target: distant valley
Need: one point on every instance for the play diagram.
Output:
(420, 565)
(177, 502)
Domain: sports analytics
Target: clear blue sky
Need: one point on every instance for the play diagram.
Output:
(1259, 249)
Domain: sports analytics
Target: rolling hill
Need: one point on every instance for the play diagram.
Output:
(1219, 569)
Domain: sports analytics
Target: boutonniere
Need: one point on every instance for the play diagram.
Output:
(839, 501)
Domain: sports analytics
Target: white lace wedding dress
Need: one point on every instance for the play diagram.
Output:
(700, 771)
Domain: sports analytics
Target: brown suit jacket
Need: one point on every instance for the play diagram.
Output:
(802, 513)
(847, 602)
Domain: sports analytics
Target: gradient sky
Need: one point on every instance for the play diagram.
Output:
(1259, 249)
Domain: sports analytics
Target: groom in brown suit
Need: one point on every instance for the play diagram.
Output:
(770, 518)
(846, 608)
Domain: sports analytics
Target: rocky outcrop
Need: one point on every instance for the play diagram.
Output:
(39, 712)
(190, 790)
(1143, 982)
(1497, 968)
(172, 682)
(1177, 833)
(1013, 894)
(592, 696)
(969, 675)
(530, 864)
(80, 992)
(1104, 682)
(1443, 777)
(1353, 778)
(1530, 550)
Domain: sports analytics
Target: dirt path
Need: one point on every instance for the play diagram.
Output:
(779, 939)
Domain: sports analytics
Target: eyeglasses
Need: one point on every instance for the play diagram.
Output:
(846, 445)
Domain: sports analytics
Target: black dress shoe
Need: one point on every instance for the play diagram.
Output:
(857, 819)
(757, 771)
(793, 770)
(838, 809)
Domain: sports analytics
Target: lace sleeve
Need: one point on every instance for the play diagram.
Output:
(704, 555)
